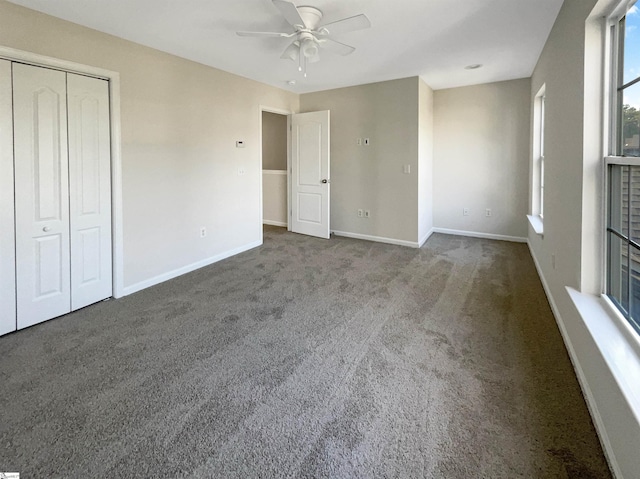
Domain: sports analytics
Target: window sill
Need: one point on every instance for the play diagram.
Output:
(617, 341)
(536, 223)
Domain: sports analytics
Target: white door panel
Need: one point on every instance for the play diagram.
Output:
(7, 238)
(310, 207)
(90, 190)
(42, 189)
(310, 187)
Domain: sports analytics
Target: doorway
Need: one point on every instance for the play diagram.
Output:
(296, 193)
(275, 157)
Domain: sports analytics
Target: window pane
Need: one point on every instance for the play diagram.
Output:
(631, 46)
(634, 306)
(542, 101)
(630, 120)
(617, 280)
(634, 230)
(618, 199)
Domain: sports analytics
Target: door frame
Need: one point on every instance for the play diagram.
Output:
(113, 79)
(287, 113)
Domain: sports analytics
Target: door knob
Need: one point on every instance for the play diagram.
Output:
(46, 228)
(325, 181)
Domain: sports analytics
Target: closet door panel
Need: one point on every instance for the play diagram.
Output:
(42, 194)
(90, 187)
(7, 239)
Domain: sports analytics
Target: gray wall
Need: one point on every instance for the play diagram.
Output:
(371, 177)
(481, 157)
(274, 141)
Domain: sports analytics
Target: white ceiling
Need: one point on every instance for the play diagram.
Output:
(434, 39)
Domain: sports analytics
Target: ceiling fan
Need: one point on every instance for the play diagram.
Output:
(309, 35)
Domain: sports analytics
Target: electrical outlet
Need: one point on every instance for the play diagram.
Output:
(407, 169)
(465, 211)
(487, 212)
(367, 214)
(241, 171)
(360, 213)
(359, 141)
(203, 232)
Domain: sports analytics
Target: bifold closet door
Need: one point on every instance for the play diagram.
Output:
(90, 189)
(63, 192)
(43, 287)
(7, 238)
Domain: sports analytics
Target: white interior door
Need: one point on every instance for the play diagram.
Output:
(89, 189)
(7, 238)
(310, 184)
(42, 194)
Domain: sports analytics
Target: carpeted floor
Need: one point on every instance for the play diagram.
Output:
(306, 358)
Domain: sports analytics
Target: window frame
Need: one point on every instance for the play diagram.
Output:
(536, 173)
(541, 99)
(614, 140)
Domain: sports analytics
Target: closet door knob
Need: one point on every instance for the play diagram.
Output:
(46, 228)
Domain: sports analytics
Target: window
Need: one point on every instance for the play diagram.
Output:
(537, 173)
(539, 150)
(623, 170)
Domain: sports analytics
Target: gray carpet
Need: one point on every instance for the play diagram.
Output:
(306, 358)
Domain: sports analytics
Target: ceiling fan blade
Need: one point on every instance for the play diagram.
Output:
(289, 12)
(292, 52)
(336, 47)
(265, 34)
(351, 24)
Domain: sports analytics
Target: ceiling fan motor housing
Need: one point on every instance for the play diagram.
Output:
(311, 16)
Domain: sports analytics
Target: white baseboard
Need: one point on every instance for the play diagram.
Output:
(134, 288)
(426, 237)
(377, 239)
(477, 234)
(274, 223)
(582, 380)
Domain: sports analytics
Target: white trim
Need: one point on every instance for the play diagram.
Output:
(116, 156)
(147, 283)
(274, 172)
(622, 160)
(377, 239)
(477, 234)
(582, 380)
(117, 227)
(536, 223)
(53, 63)
(617, 341)
(279, 111)
(426, 237)
(274, 223)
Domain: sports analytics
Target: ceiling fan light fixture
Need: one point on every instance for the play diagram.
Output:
(292, 52)
(309, 48)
